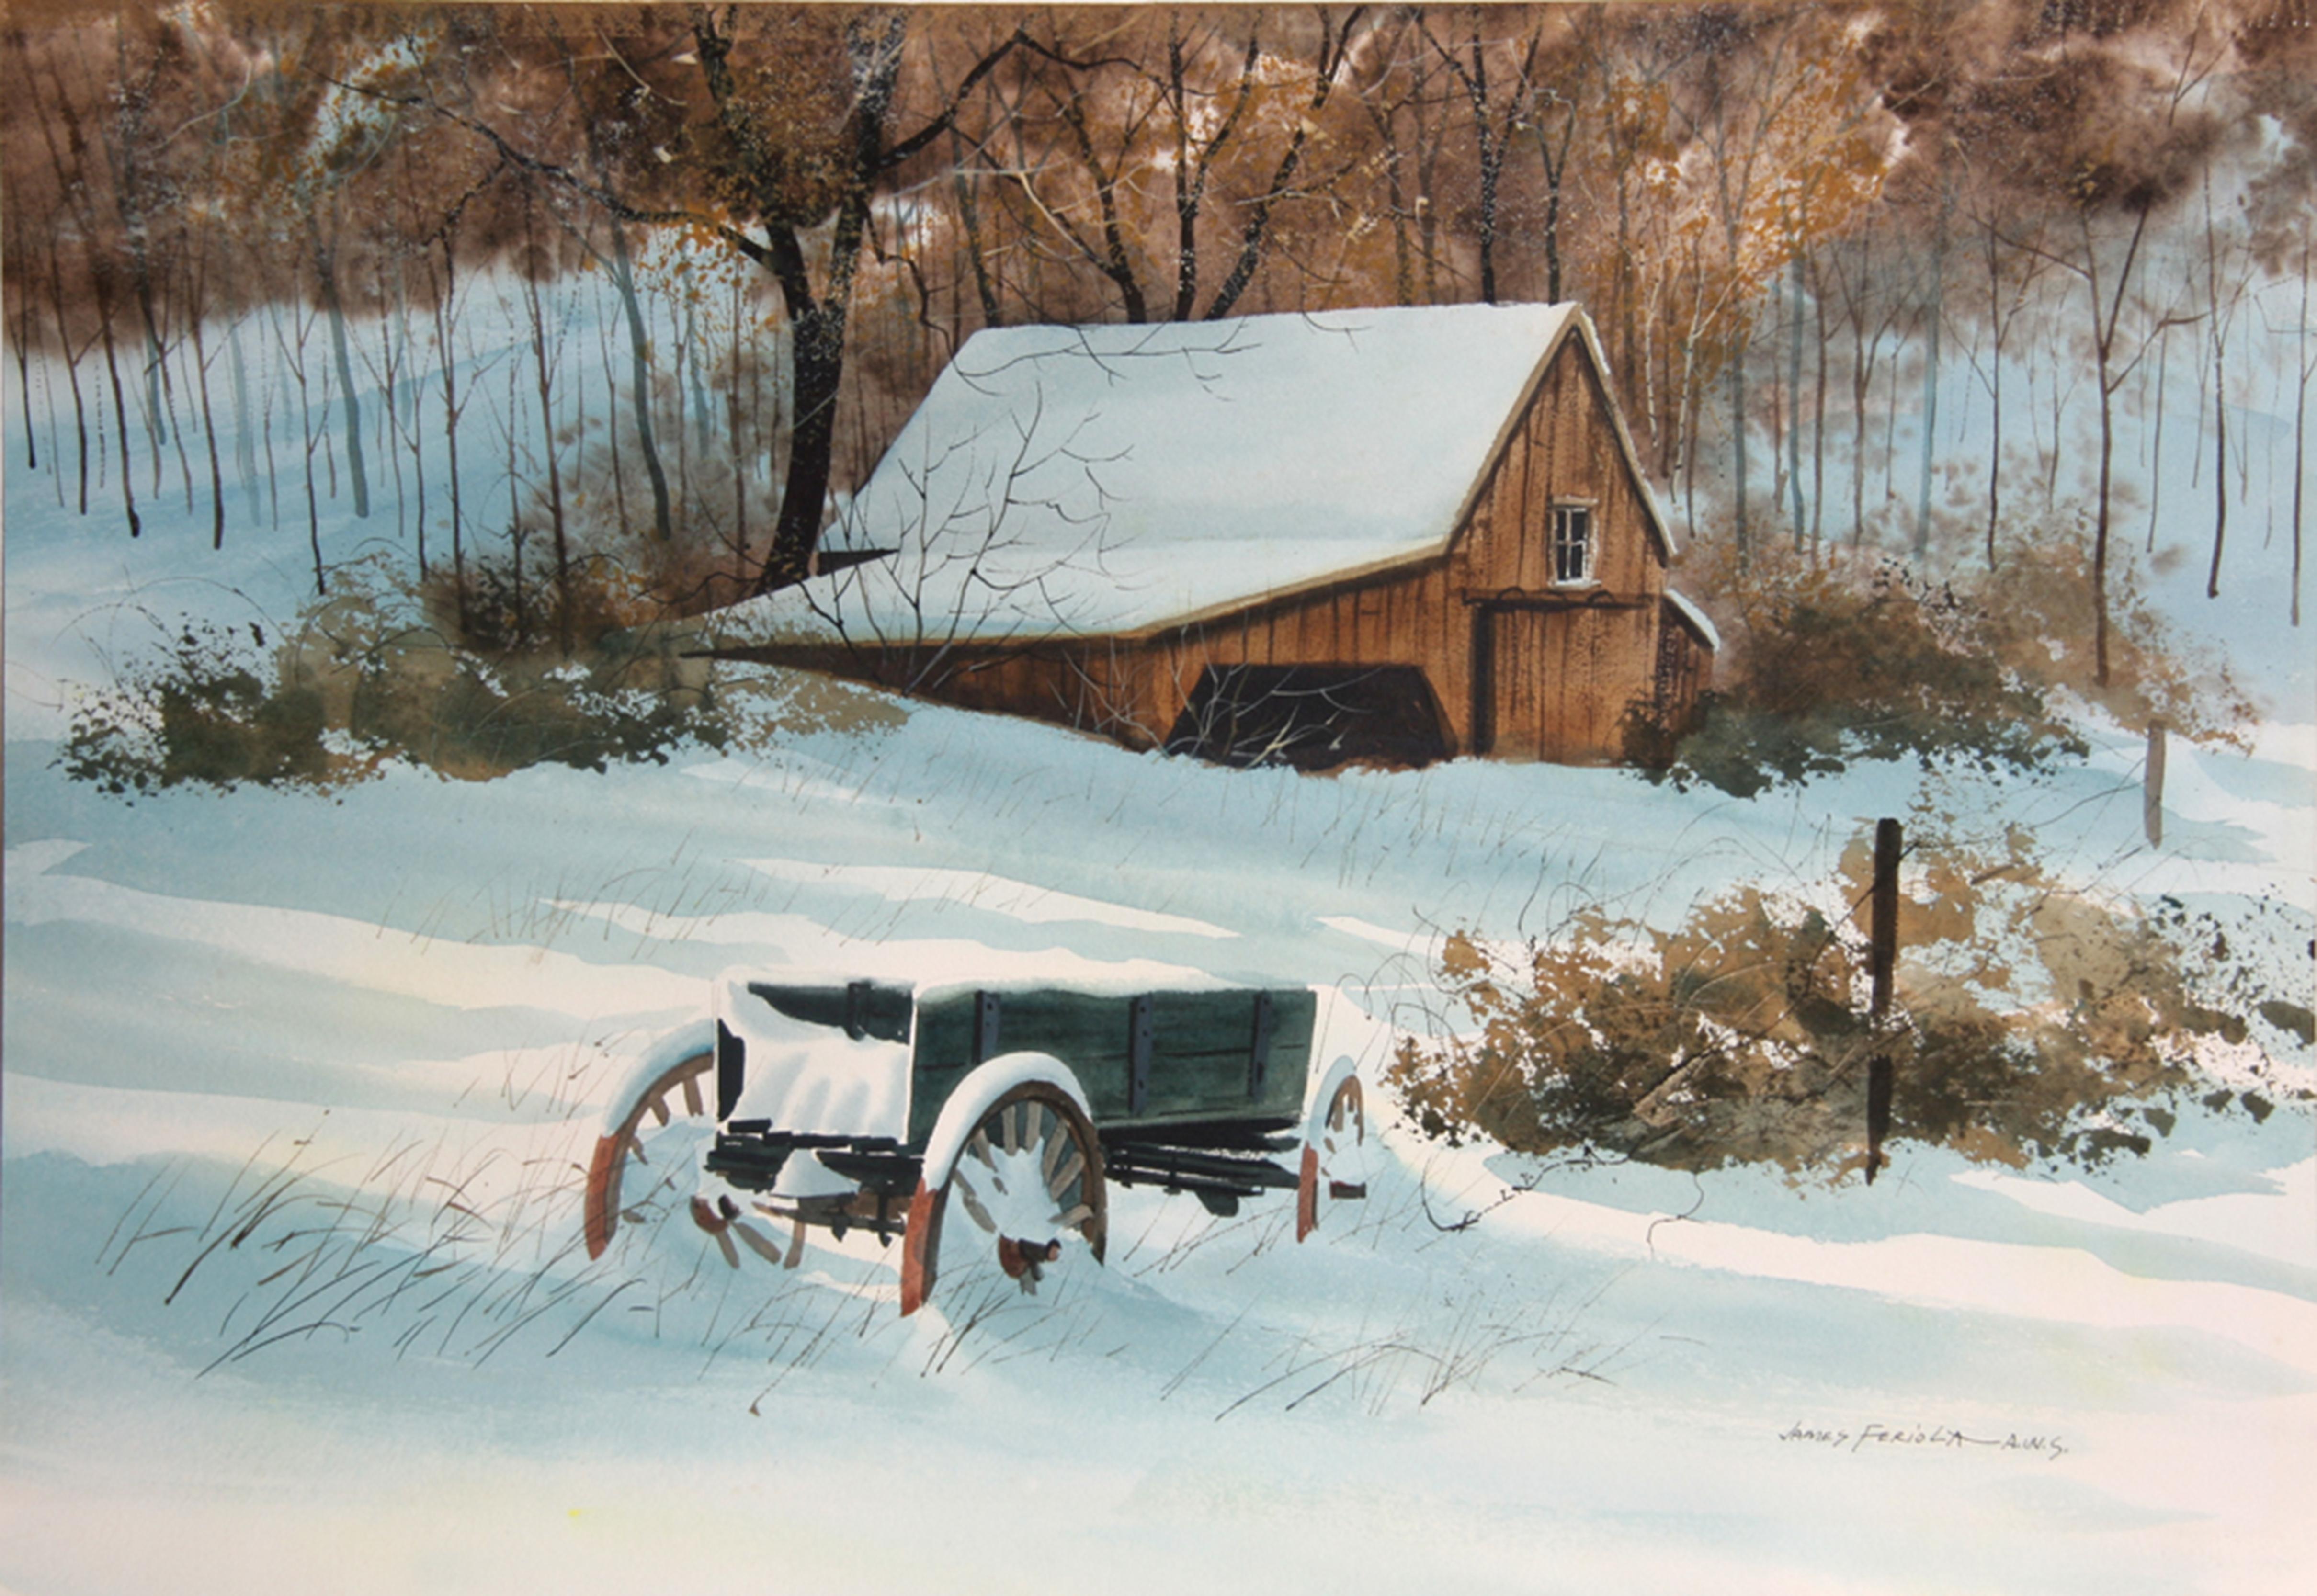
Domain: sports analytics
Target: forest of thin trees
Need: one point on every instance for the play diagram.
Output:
(522, 288)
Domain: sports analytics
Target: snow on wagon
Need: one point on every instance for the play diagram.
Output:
(970, 1118)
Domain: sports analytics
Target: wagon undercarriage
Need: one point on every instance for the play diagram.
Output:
(1218, 1164)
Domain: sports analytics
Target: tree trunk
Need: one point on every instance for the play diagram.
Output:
(1739, 525)
(818, 336)
(732, 429)
(2220, 397)
(623, 278)
(1931, 390)
(443, 302)
(1492, 162)
(326, 276)
(1794, 399)
(208, 431)
(2152, 803)
(611, 418)
(544, 373)
(2101, 525)
(25, 380)
(72, 375)
(1995, 448)
(101, 278)
(2156, 447)
(244, 442)
(1861, 378)
(1882, 950)
(522, 633)
(2301, 428)
(2220, 465)
(306, 431)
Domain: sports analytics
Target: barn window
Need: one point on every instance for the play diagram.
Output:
(1572, 544)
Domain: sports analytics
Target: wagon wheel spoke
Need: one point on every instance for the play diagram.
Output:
(655, 1139)
(757, 1241)
(973, 1204)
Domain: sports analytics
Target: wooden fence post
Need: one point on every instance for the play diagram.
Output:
(2152, 782)
(1882, 951)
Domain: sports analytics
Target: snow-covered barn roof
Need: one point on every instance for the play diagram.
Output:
(1120, 480)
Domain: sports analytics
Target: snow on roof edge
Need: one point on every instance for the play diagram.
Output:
(1696, 618)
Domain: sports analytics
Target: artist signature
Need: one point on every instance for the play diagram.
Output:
(1878, 1437)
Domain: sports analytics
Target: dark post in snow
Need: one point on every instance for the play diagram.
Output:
(2152, 782)
(1883, 939)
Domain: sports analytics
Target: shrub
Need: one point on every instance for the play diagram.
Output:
(2029, 1022)
(204, 710)
(1826, 663)
(366, 678)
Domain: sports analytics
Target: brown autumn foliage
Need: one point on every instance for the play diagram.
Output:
(873, 187)
(2033, 1022)
(1113, 162)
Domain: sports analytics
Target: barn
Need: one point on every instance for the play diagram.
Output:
(1389, 534)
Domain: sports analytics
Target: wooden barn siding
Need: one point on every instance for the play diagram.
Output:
(1594, 663)
(1566, 449)
(1075, 685)
(1411, 617)
(1685, 665)
(1607, 662)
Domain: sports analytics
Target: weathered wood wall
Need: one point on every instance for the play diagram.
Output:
(1684, 670)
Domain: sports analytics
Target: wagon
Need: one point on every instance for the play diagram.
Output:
(966, 1119)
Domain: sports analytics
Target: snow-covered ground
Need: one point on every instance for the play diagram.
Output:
(299, 1091)
(407, 1376)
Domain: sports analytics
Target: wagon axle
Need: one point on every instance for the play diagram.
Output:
(1025, 1261)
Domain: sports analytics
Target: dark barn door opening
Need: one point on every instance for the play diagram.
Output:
(1313, 718)
(1509, 680)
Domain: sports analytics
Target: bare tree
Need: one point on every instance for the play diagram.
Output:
(1493, 124)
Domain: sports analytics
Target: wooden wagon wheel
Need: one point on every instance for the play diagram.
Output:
(681, 1089)
(1030, 1173)
(1334, 1153)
